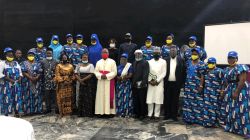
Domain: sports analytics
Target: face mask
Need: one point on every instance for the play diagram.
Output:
(156, 56)
(55, 42)
(79, 41)
(65, 61)
(211, 66)
(191, 44)
(127, 39)
(112, 45)
(194, 57)
(31, 58)
(70, 42)
(49, 58)
(40, 45)
(105, 56)
(93, 43)
(85, 62)
(169, 41)
(10, 59)
(138, 59)
(148, 44)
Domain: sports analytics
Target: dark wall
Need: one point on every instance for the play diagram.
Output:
(21, 21)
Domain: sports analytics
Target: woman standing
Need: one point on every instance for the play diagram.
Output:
(85, 75)
(113, 51)
(212, 88)
(124, 88)
(56, 46)
(95, 50)
(236, 100)
(31, 84)
(11, 90)
(64, 77)
(193, 95)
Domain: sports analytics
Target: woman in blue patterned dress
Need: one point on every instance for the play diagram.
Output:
(193, 94)
(213, 85)
(11, 90)
(124, 106)
(31, 84)
(236, 102)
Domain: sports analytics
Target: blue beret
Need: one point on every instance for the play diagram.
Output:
(31, 51)
(8, 49)
(232, 54)
(125, 55)
(211, 60)
(69, 35)
(193, 38)
(39, 39)
(171, 35)
(55, 37)
(196, 49)
(79, 36)
(149, 38)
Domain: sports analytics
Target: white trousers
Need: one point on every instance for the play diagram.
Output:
(154, 108)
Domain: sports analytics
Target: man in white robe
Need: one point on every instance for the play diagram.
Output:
(155, 94)
(105, 72)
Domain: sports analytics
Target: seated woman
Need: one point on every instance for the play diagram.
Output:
(84, 74)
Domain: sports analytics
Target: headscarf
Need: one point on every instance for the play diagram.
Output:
(95, 51)
(57, 49)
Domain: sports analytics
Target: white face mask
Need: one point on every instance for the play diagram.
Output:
(112, 45)
(49, 58)
(85, 62)
(138, 59)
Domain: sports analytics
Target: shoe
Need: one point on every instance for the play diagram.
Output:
(157, 119)
(148, 118)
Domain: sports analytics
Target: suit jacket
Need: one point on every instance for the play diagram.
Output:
(180, 71)
(140, 72)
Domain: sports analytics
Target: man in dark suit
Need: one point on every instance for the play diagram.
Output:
(174, 80)
(140, 84)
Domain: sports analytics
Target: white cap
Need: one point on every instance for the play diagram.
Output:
(157, 49)
(138, 51)
(128, 34)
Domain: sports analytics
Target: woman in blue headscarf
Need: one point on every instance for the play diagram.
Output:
(56, 46)
(123, 88)
(95, 49)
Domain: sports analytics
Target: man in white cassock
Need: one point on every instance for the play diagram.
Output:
(155, 94)
(105, 72)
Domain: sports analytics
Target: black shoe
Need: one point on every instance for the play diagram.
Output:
(148, 118)
(157, 119)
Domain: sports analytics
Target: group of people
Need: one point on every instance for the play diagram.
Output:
(128, 81)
